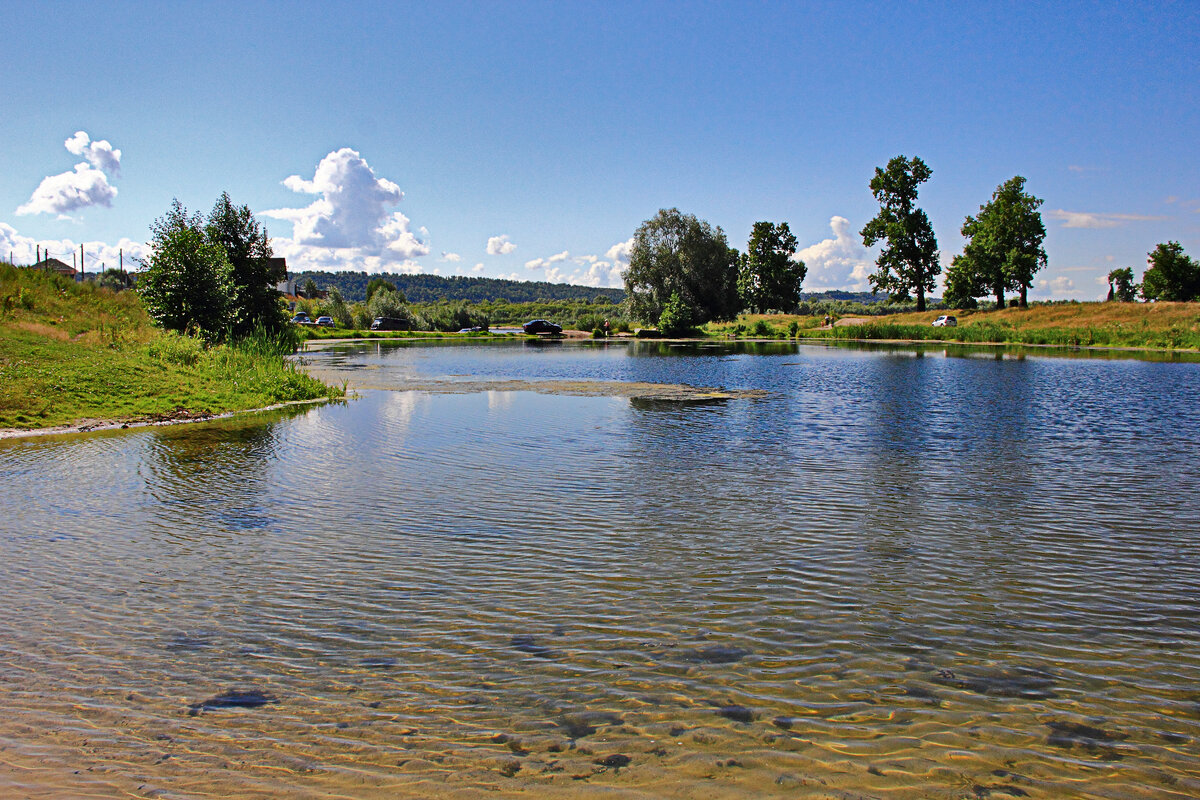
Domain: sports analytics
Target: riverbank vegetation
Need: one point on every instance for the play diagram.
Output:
(74, 352)
(1161, 325)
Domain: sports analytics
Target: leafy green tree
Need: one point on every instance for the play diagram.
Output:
(908, 262)
(963, 284)
(768, 276)
(310, 289)
(187, 282)
(382, 283)
(338, 310)
(676, 316)
(386, 302)
(1121, 286)
(1004, 241)
(677, 254)
(114, 279)
(1172, 275)
(255, 303)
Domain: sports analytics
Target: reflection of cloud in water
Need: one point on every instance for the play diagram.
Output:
(500, 401)
(398, 409)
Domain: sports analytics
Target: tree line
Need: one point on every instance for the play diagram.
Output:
(683, 272)
(426, 288)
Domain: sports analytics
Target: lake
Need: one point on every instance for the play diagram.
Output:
(561, 569)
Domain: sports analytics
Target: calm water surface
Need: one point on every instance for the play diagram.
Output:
(899, 574)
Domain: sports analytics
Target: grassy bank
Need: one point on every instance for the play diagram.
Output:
(1159, 326)
(73, 352)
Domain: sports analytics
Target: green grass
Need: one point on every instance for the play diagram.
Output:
(1155, 326)
(73, 352)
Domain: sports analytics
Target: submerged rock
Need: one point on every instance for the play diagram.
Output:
(378, 662)
(235, 698)
(1024, 682)
(736, 713)
(716, 654)
(1092, 740)
(615, 761)
(185, 642)
(585, 723)
(527, 644)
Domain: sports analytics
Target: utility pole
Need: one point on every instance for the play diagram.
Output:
(82, 268)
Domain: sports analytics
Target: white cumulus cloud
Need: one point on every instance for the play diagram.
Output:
(591, 270)
(539, 263)
(350, 224)
(70, 191)
(478, 267)
(500, 246)
(100, 154)
(1058, 287)
(86, 185)
(451, 256)
(838, 263)
(97, 255)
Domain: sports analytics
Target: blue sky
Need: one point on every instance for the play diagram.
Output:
(530, 140)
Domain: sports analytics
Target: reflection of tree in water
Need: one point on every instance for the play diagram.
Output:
(949, 472)
(213, 475)
(655, 348)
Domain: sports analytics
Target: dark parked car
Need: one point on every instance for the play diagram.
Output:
(326, 322)
(389, 324)
(541, 326)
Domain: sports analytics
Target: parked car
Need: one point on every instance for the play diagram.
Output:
(541, 326)
(472, 329)
(389, 324)
(326, 322)
(945, 321)
(301, 318)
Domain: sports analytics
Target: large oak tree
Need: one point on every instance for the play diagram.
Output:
(768, 276)
(908, 262)
(1004, 241)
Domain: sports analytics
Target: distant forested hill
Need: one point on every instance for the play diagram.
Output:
(423, 288)
(866, 298)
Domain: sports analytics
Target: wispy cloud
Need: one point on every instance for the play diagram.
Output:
(349, 225)
(87, 185)
(1079, 169)
(453, 257)
(500, 245)
(1092, 219)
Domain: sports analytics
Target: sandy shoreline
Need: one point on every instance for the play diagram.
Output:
(179, 417)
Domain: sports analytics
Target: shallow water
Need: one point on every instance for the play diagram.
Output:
(900, 573)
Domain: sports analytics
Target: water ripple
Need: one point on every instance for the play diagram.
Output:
(893, 576)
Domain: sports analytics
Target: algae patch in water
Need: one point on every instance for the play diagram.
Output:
(635, 390)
